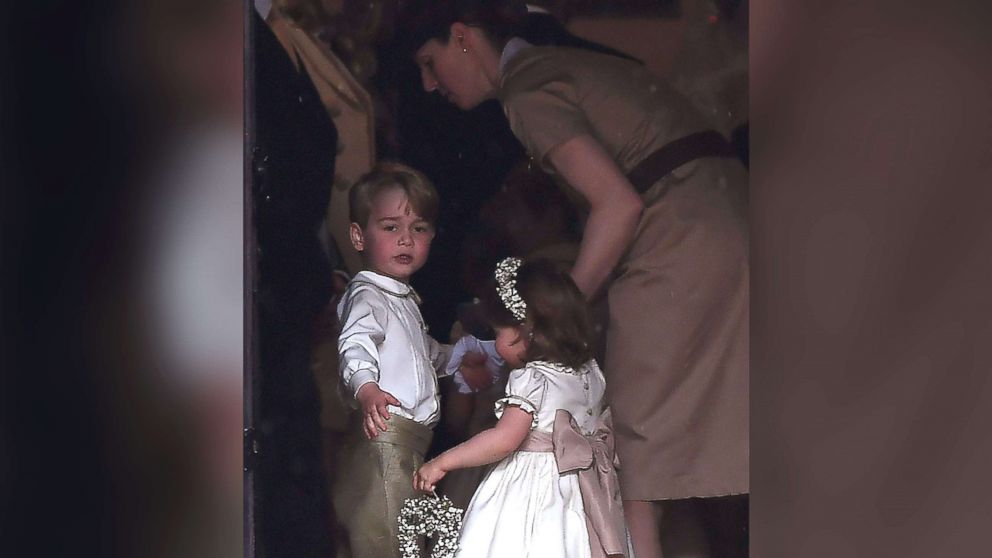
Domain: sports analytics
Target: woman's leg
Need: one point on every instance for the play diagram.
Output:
(643, 523)
(682, 531)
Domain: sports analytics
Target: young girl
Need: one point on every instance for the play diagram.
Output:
(555, 492)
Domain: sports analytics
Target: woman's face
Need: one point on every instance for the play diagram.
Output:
(454, 73)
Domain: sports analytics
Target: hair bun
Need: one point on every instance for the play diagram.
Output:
(423, 20)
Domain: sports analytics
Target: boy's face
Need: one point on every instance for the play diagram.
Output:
(395, 241)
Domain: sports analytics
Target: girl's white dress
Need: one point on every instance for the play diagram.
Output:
(524, 508)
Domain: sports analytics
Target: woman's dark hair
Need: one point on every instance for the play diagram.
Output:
(546, 30)
(424, 20)
(557, 314)
(499, 20)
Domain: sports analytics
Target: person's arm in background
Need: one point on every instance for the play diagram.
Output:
(614, 209)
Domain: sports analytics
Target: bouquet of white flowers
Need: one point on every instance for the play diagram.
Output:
(429, 515)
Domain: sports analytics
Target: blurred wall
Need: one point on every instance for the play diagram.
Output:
(656, 41)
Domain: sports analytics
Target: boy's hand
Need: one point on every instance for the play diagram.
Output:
(474, 371)
(428, 476)
(374, 402)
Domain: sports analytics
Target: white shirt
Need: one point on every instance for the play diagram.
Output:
(470, 343)
(384, 340)
(513, 46)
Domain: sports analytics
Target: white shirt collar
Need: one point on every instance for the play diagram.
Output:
(512, 48)
(263, 7)
(387, 284)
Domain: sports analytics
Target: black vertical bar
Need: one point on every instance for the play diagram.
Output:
(250, 273)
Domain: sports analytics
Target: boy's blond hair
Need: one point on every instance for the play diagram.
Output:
(385, 175)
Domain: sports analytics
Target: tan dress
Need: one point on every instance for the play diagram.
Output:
(677, 341)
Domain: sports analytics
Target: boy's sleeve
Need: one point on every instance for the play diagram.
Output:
(363, 328)
(440, 355)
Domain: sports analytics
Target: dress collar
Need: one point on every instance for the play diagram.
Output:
(387, 285)
(512, 48)
(558, 367)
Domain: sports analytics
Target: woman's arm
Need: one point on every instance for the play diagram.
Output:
(485, 447)
(614, 208)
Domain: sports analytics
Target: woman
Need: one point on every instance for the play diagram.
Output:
(665, 238)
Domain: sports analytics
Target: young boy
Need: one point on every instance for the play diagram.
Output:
(388, 362)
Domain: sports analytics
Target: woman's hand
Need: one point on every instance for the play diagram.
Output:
(374, 403)
(427, 477)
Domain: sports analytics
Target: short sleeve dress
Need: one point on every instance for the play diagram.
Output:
(524, 507)
(677, 340)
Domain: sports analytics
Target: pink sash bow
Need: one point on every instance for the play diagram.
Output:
(594, 461)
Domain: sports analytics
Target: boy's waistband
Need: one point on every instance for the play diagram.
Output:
(401, 432)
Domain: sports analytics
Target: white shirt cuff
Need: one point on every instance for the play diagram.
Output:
(459, 379)
(359, 379)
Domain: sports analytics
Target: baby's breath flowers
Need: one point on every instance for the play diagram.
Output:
(506, 279)
(429, 515)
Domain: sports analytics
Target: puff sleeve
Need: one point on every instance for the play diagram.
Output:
(526, 389)
(440, 356)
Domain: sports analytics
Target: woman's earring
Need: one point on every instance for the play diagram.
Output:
(461, 40)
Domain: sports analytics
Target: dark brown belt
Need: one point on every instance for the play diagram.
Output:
(677, 153)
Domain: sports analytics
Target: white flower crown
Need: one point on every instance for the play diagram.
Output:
(506, 279)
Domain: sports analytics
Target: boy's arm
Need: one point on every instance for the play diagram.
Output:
(363, 329)
(440, 355)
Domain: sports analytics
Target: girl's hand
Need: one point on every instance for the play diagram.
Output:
(428, 476)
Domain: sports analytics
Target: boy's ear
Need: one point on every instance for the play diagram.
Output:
(357, 238)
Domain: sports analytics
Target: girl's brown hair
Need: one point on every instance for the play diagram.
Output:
(558, 317)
